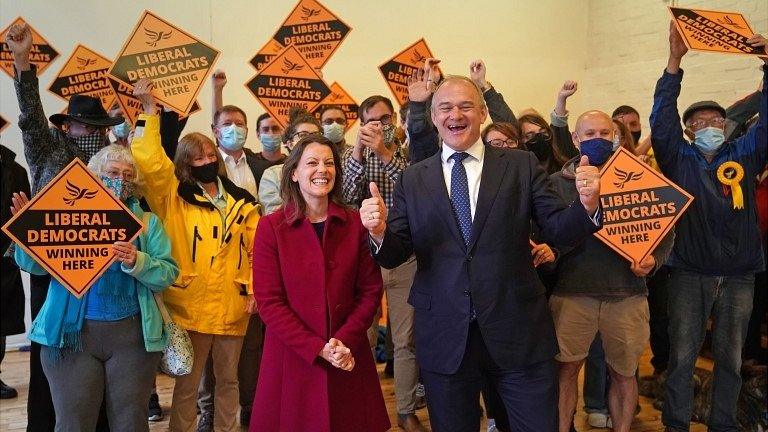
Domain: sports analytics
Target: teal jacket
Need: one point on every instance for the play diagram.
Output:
(61, 318)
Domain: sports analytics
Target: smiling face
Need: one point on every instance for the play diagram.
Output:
(315, 172)
(457, 112)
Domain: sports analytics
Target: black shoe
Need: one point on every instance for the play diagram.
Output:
(7, 392)
(155, 411)
(389, 369)
(245, 416)
(206, 423)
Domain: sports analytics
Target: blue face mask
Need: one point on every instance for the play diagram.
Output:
(709, 139)
(122, 130)
(232, 137)
(270, 142)
(598, 150)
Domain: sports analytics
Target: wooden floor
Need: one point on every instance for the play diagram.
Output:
(13, 414)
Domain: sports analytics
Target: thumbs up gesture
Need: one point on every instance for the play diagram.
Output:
(373, 213)
(588, 185)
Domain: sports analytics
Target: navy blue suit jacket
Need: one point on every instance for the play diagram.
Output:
(496, 269)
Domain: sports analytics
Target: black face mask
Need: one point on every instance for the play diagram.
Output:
(636, 136)
(541, 146)
(205, 173)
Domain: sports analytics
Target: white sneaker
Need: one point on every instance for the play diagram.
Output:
(492, 426)
(599, 420)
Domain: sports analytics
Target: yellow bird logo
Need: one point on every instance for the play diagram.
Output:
(83, 63)
(155, 36)
(307, 13)
(729, 21)
(289, 66)
(76, 193)
(417, 57)
(626, 177)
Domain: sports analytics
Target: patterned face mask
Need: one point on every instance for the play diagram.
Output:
(90, 144)
(122, 189)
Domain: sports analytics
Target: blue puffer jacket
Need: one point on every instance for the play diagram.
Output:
(61, 318)
(712, 238)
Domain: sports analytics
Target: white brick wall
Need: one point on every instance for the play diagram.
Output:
(628, 48)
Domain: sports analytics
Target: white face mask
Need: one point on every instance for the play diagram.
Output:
(334, 132)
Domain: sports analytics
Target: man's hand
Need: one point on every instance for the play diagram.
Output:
(588, 185)
(758, 41)
(542, 254)
(677, 49)
(419, 89)
(644, 267)
(432, 70)
(19, 41)
(250, 305)
(566, 91)
(142, 91)
(477, 72)
(219, 79)
(373, 213)
(370, 135)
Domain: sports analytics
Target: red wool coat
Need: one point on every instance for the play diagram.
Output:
(308, 292)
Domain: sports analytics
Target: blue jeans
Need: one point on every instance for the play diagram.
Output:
(692, 297)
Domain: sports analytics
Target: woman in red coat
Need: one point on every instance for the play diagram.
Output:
(317, 288)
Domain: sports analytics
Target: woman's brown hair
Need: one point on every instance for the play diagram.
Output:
(190, 146)
(296, 117)
(289, 189)
(509, 130)
(558, 158)
(626, 141)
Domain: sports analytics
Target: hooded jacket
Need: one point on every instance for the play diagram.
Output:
(214, 255)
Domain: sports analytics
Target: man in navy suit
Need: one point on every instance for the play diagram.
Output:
(479, 307)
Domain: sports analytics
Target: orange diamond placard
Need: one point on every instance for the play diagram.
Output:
(131, 106)
(397, 69)
(69, 227)
(705, 30)
(41, 55)
(639, 206)
(314, 30)
(288, 81)
(84, 73)
(340, 98)
(266, 54)
(176, 62)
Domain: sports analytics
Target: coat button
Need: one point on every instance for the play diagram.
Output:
(466, 293)
(469, 257)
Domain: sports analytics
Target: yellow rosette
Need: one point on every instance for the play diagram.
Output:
(730, 174)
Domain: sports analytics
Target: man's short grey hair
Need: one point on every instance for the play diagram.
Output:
(117, 153)
(449, 78)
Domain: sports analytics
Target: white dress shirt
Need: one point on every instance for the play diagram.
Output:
(240, 173)
(472, 164)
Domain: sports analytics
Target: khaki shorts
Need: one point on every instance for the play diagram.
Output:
(623, 327)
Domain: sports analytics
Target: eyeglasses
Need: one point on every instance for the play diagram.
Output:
(527, 137)
(115, 173)
(386, 119)
(509, 142)
(717, 122)
(303, 134)
(339, 120)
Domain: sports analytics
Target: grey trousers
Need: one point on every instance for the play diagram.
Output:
(113, 364)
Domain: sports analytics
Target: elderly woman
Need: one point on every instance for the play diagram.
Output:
(109, 342)
(211, 223)
(317, 288)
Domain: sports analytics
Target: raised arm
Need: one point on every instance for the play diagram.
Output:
(36, 137)
(497, 107)
(423, 138)
(755, 141)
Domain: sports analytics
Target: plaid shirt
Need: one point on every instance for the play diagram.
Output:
(357, 175)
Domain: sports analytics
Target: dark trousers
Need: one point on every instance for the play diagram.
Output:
(658, 297)
(41, 417)
(529, 393)
(752, 348)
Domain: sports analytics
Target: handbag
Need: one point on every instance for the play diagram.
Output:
(178, 354)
